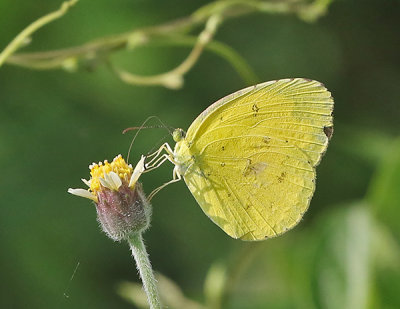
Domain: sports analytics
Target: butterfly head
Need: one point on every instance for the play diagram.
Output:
(178, 135)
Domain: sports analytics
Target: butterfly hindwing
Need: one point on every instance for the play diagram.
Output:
(254, 155)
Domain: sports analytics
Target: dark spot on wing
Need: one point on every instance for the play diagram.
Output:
(328, 131)
(222, 164)
(281, 177)
(223, 148)
(255, 109)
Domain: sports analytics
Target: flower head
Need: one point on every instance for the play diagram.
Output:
(121, 205)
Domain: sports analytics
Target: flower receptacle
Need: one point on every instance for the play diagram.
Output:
(123, 212)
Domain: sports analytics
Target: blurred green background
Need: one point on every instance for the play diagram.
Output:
(344, 254)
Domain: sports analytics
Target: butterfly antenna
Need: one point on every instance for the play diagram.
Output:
(143, 127)
(137, 132)
(168, 128)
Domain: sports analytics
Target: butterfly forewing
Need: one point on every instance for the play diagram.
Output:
(254, 154)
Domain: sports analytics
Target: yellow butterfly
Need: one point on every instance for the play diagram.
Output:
(249, 159)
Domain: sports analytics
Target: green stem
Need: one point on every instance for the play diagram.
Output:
(20, 38)
(220, 49)
(139, 252)
(173, 79)
(211, 15)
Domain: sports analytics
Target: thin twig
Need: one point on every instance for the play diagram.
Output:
(25, 34)
(175, 33)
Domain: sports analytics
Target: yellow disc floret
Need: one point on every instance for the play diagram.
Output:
(118, 166)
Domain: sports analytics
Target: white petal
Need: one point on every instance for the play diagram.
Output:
(139, 169)
(86, 182)
(82, 193)
(105, 183)
(115, 179)
(110, 182)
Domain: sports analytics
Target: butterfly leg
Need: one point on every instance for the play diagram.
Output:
(157, 163)
(175, 177)
(157, 159)
(165, 147)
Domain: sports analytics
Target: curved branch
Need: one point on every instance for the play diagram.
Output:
(100, 50)
(19, 40)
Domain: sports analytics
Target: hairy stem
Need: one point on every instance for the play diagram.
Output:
(139, 252)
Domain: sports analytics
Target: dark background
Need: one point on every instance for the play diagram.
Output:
(344, 254)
